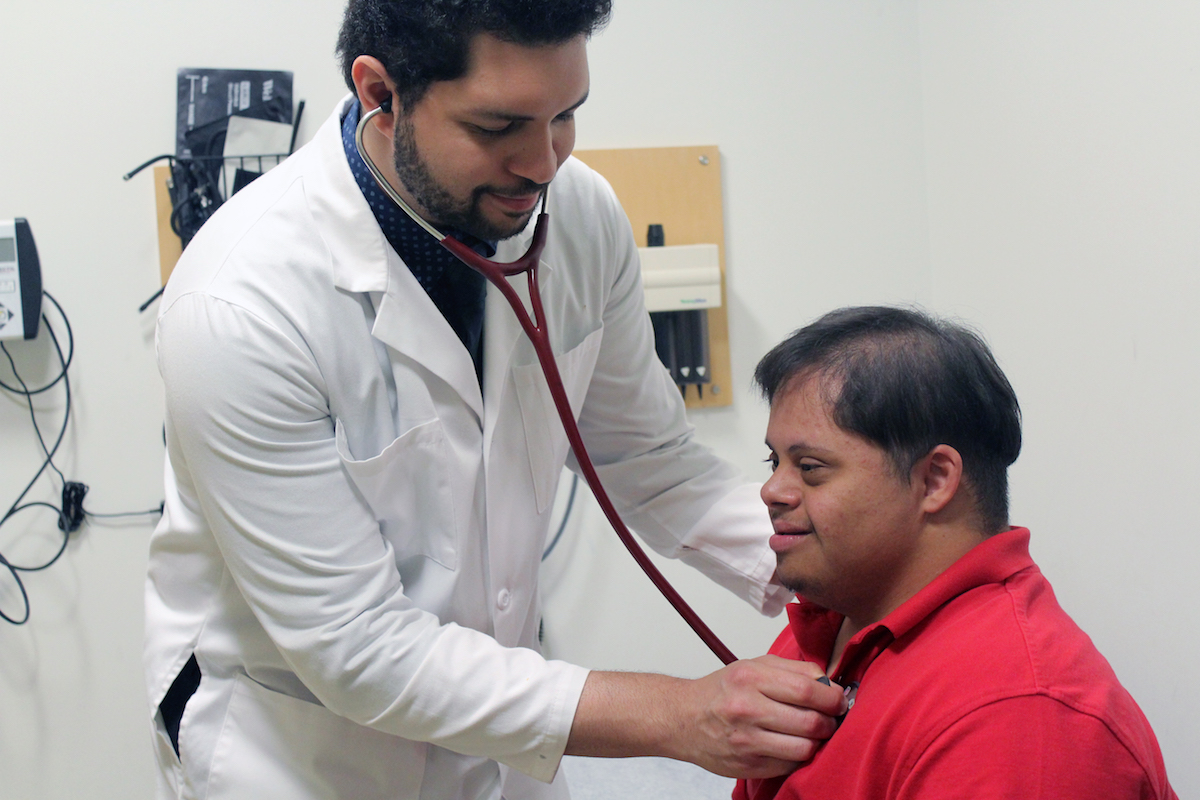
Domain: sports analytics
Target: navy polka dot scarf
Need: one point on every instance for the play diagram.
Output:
(457, 290)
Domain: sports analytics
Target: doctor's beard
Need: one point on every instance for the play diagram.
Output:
(442, 207)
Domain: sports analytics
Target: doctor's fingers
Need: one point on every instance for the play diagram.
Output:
(792, 683)
(747, 728)
(774, 754)
(749, 751)
(802, 729)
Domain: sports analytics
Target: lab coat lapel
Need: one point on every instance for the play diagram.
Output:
(409, 322)
(356, 244)
(363, 261)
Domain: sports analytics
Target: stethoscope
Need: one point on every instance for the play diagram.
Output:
(535, 328)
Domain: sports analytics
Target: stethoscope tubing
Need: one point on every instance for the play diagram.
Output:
(536, 329)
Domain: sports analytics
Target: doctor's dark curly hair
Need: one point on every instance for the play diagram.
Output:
(422, 41)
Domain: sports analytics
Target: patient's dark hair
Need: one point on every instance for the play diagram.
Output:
(908, 382)
(422, 41)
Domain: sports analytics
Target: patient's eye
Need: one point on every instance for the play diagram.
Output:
(813, 471)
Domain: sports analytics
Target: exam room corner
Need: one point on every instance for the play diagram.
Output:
(1030, 168)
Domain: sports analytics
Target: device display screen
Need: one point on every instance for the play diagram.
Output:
(8, 249)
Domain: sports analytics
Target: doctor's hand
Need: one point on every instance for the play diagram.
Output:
(753, 719)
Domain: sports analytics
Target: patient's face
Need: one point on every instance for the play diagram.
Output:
(846, 525)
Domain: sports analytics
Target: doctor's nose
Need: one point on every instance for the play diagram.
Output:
(541, 154)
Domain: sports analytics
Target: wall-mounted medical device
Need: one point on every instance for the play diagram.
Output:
(682, 277)
(20, 281)
(681, 282)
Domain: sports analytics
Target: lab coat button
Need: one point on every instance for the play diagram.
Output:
(504, 599)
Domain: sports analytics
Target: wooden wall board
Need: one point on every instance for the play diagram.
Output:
(169, 246)
(680, 189)
(676, 187)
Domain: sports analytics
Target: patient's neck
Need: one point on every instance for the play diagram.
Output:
(845, 634)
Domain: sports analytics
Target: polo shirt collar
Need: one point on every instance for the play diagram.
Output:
(993, 560)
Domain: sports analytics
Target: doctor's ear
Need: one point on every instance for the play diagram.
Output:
(372, 83)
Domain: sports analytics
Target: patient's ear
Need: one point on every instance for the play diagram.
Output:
(939, 474)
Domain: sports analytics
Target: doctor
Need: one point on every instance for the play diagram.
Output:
(362, 452)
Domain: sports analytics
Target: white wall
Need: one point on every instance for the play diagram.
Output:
(816, 109)
(87, 92)
(1063, 157)
(1030, 166)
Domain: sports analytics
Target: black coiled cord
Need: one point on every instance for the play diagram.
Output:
(71, 514)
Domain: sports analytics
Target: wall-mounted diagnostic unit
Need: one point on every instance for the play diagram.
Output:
(20, 281)
(672, 196)
(684, 277)
(681, 282)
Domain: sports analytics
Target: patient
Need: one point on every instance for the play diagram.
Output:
(890, 437)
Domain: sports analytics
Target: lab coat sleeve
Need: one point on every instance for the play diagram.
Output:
(680, 498)
(253, 444)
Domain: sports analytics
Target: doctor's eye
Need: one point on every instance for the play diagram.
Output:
(773, 460)
(488, 132)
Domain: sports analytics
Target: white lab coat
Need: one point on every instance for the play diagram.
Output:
(352, 532)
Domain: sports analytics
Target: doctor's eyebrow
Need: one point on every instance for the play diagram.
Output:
(503, 116)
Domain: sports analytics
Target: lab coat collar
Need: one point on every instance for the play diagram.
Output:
(357, 245)
(406, 319)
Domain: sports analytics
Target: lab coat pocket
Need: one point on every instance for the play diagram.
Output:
(408, 488)
(544, 434)
(273, 745)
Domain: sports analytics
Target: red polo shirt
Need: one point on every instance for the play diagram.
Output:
(980, 686)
